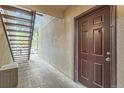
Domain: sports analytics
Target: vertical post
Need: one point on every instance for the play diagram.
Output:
(31, 32)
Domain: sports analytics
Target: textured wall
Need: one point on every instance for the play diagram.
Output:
(5, 56)
(120, 46)
(69, 15)
(57, 42)
(52, 43)
(69, 25)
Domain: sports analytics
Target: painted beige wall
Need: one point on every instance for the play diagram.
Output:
(5, 56)
(69, 26)
(57, 39)
(52, 43)
(120, 46)
(69, 15)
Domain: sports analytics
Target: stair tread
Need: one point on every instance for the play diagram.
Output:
(20, 57)
(19, 43)
(15, 17)
(19, 36)
(13, 30)
(19, 30)
(18, 33)
(17, 60)
(17, 9)
(8, 23)
(22, 47)
(20, 51)
(18, 40)
(18, 47)
(13, 49)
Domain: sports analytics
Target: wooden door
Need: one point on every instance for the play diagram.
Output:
(94, 48)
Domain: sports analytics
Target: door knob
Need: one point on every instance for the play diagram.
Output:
(107, 59)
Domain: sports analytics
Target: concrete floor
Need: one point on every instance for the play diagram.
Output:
(39, 74)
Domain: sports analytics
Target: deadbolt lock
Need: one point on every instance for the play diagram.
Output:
(108, 53)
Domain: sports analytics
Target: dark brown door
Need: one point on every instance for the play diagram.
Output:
(94, 48)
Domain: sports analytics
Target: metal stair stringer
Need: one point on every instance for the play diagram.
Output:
(19, 26)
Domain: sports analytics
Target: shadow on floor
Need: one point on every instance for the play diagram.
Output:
(39, 74)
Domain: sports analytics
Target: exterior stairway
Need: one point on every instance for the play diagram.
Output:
(19, 25)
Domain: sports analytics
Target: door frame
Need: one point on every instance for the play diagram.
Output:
(113, 43)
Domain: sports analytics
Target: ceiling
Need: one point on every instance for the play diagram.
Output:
(53, 10)
(61, 8)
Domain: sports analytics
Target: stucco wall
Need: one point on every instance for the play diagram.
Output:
(52, 43)
(5, 56)
(120, 46)
(58, 42)
(69, 26)
(69, 15)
